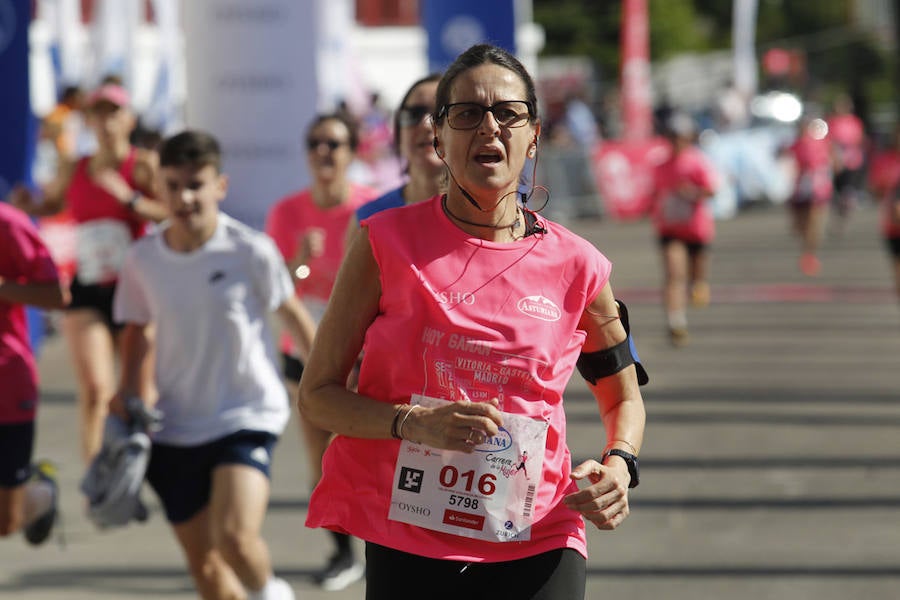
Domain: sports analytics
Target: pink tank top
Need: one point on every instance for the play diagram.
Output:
(463, 317)
(87, 201)
(104, 226)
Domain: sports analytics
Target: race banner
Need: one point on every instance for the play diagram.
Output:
(451, 27)
(637, 104)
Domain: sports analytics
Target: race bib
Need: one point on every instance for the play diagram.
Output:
(676, 209)
(487, 495)
(101, 248)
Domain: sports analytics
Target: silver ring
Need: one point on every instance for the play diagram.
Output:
(475, 437)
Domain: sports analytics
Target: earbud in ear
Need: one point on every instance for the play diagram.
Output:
(437, 150)
(434, 142)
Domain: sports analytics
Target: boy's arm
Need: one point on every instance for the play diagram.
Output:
(136, 352)
(298, 323)
(47, 295)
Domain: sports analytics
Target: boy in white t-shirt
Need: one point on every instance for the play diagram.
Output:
(207, 284)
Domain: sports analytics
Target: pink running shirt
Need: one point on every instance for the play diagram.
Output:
(679, 217)
(814, 174)
(23, 258)
(884, 178)
(292, 217)
(461, 316)
(848, 137)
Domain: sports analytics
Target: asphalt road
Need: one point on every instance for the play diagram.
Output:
(770, 469)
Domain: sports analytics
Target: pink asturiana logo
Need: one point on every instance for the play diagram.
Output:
(539, 308)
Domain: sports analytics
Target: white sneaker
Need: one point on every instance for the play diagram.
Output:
(276, 589)
(342, 570)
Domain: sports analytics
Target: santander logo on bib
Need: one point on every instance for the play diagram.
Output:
(539, 308)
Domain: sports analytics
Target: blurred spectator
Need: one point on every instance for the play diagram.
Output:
(732, 109)
(580, 121)
(61, 124)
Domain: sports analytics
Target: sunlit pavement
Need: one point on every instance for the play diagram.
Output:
(770, 468)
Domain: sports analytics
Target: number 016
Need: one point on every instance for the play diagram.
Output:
(450, 476)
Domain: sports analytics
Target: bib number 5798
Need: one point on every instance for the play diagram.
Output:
(450, 476)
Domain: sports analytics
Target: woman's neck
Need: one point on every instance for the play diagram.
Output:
(505, 223)
(420, 187)
(330, 193)
(115, 151)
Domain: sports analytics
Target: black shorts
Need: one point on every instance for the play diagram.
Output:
(182, 475)
(554, 575)
(16, 446)
(293, 368)
(693, 247)
(95, 296)
(893, 244)
(848, 180)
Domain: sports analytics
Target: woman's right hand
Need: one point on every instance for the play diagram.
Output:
(457, 426)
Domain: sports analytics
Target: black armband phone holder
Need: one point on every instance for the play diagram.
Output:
(609, 361)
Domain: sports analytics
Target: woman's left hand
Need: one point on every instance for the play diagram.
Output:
(605, 501)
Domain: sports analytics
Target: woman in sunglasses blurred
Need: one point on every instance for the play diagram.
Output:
(309, 228)
(413, 142)
(450, 458)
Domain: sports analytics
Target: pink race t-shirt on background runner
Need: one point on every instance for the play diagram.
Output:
(884, 177)
(847, 133)
(294, 216)
(814, 174)
(459, 318)
(23, 258)
(674, 215)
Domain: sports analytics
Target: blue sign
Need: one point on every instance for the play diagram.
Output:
(17, 124)
(452, 27)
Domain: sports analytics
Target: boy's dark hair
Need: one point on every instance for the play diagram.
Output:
(342, 117)
(190, 148)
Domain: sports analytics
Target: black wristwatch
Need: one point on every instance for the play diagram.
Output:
(631, 460)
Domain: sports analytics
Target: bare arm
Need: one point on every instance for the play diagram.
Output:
(298, 323)
(605, 500)
(136, 351)
(324, 397)
(137, 200)
(352, 230)
(54, 194)
(48, 295)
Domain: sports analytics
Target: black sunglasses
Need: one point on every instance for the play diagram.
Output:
(313, 144)
(413, 114)
(469, 115)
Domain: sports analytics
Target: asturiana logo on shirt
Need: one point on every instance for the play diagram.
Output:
(539, 308)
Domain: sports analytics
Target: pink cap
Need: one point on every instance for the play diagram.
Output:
(112, 93)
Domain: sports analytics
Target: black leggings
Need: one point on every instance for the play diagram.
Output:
(394, 575)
